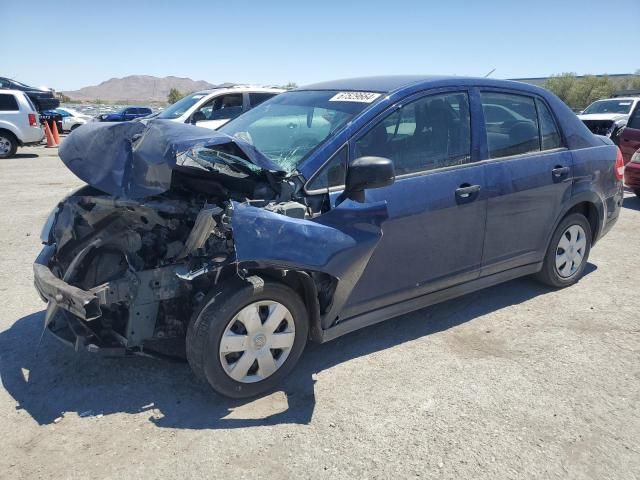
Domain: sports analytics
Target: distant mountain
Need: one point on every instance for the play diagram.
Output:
(137, 89)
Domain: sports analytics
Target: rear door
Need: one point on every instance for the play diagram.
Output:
(630, 137)
(528, 176)
(433, 236)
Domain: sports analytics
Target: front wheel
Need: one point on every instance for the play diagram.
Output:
(637, 192)
(247, 336)
(568, 252)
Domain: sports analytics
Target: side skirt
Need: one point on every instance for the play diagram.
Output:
(401, 308)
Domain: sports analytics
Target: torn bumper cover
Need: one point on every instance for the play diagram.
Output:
(81, 303)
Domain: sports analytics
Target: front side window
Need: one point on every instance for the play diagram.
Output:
(291, 125)
(8, 102)
(432, 132)
(223, 107)
(516, 130)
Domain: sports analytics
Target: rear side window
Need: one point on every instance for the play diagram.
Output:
(8, 102)
(258, 98)
(29, 102)
(515, 130)
(429, 133)
(549, 134)
(634, 120)
(144, 111)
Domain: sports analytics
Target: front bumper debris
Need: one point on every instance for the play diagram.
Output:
(74, 314)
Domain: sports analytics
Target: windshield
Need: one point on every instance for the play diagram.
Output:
(181, 106)
(609, 106)
(289, 126)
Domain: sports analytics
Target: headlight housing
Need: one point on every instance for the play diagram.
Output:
(636, 157)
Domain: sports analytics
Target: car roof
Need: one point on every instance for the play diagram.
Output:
(395, 83)
(241, 89)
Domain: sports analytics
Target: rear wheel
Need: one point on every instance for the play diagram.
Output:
(568, 252)
(8, 144)
(247, 336)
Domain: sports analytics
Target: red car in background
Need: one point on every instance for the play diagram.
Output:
(630, 146)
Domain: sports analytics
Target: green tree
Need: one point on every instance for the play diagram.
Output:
(174, 95)
(562, 85)
(63, 98)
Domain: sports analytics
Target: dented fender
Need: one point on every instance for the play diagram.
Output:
(338, 243)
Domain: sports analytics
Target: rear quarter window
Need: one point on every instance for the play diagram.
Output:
(8, 102)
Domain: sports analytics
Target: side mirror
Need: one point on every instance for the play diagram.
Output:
(365, 173)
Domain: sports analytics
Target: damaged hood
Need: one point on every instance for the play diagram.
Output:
(603, 116)
(134, 160)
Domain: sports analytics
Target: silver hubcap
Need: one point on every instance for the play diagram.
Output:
(257, 341)
(570, 251)
(5, 145)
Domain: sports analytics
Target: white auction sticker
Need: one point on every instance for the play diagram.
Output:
(362, 97)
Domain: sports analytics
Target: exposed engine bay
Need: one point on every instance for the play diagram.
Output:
(139, 266)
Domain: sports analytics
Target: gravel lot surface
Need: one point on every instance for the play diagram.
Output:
(516, 381)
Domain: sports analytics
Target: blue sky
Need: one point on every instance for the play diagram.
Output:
(281, 41)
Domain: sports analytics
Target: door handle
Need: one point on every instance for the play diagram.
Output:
(560, 171)
(465, 190)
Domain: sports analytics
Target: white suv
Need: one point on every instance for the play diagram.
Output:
(213, 108)
(19, 122)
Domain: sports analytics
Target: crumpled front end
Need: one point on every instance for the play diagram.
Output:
(129, 258)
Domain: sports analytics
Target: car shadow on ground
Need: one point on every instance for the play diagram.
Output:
(631, 202)
(24, 155)
(51, 380)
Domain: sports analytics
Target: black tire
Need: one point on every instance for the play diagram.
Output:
(209, 322)
(549, 274)
(637, 192)
(9, 138)
(73, 127)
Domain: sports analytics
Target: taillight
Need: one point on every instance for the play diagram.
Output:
(619, 168)
(32, 120)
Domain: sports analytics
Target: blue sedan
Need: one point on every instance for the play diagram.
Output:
(319, 212)
(126, 114)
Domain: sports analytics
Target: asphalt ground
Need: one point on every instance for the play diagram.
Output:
(516, 381)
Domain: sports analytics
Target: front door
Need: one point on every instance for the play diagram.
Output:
(433, 236)
(528, 174)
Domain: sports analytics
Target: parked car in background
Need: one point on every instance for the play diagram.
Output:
(126, 114)
(213, 108)
(629, 137)
(606, 117)
(321, 211)
(72, 119)
(43, 99)
(51, 117)
(632, 173)
(19, 122)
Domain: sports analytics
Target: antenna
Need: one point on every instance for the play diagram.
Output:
(488, 74)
